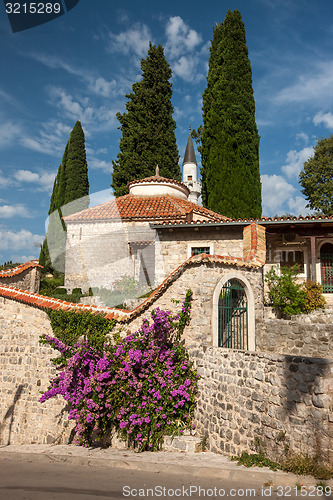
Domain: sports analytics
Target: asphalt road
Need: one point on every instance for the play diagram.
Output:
(34, 480)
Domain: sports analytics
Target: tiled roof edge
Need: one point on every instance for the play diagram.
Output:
(196, 259)
(122, 316)
(43, 302)
(14, 271)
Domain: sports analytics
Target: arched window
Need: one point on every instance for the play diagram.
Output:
(233, 313)
(233, 316)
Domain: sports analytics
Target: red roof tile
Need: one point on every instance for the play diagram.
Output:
(8, 273)
(42, 302)
(150, 208)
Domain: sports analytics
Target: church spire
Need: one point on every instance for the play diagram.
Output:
(190, 170)
(189, 156)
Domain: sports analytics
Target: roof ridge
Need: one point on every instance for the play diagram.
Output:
(14, 271)
(44, 302)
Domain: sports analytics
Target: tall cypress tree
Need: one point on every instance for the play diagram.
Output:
(148, 136)
(229, 137)
(71, 184)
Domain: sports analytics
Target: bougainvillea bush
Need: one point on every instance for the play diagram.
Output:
(141, 388)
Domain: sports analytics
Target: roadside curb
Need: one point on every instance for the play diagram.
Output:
(198, 465)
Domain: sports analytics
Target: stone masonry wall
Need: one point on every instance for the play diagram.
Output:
(174, 246)
(306, 335)
(25, 370)
(202, 280)
(29, 279)
(278, 402)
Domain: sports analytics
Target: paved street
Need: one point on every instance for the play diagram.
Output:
(30, 480)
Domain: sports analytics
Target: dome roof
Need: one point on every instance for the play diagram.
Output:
(158, 186)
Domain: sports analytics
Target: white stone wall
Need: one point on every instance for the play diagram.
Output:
(25, 370)
(98, 253)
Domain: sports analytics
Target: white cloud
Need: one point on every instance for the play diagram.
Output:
(44, 180)
(102, 87)
(73, 109)
(20, 240)
(302, 137)
(182, 50)
(134, 40)
(275, 192)
(186, 67)
(16, 210)
(96, 84)
(5, 181)
(102, 117)
(51, 140)
(9, 131)
(323, 118)
(314, 87)
(297, 206)
(98, 164)
(295, 161)
(180, 37)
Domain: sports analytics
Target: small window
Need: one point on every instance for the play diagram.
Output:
(289, 258)
(199, 250)
(189, 178)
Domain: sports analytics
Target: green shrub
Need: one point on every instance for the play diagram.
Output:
(306, 465)
(285, 294)
(61, 291)
(69, 326)
(77, 291)
(313, 297)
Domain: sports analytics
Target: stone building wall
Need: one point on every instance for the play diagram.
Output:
(245, 397)
(279, 402)
(25, 370)
(202, 279)
(173, 246)
(25, 277)
(100, 254)
(305, 335)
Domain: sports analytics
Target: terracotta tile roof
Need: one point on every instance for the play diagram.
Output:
(261, 220)
(148, 208)
(122, 316)
(42, 302)
(9, 273)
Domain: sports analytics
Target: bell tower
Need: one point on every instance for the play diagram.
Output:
(190, 170)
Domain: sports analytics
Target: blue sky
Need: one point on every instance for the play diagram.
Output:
(81, 65)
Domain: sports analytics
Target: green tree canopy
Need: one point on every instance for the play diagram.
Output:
(71, 184)
(147, 127)
(229, 136)
(316, 178)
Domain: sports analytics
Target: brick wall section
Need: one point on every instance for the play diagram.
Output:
(307, 335)
(25, 370)
(282, 401)
(25, 276)
(254, 243)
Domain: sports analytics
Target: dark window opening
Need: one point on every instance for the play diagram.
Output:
(289, 258)
(199, 250)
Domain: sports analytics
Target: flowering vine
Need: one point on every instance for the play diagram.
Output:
(141, 388)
